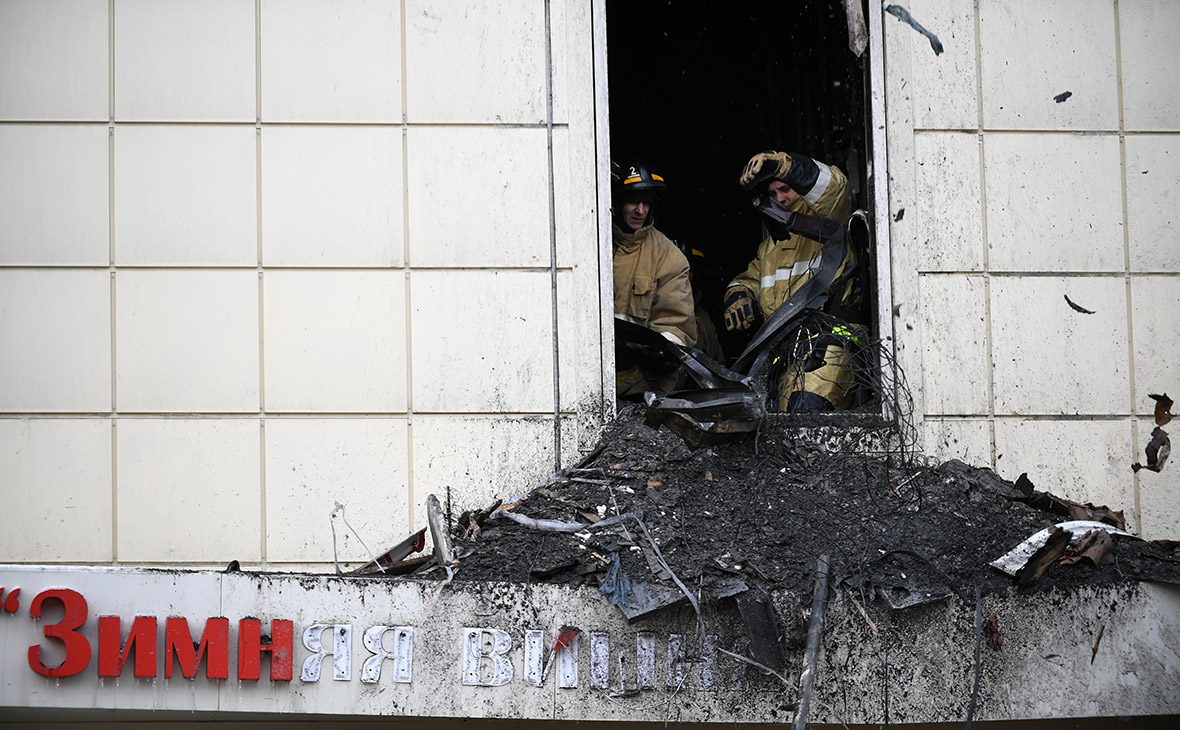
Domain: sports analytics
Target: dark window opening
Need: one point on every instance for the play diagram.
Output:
(698, 87)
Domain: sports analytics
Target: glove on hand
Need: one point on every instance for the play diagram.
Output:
(739, 308)
(765, 166)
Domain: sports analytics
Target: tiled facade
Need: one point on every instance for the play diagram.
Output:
(1021, 201)
(260, 257)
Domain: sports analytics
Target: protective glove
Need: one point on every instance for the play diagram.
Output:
(739, 308)
(765, 166)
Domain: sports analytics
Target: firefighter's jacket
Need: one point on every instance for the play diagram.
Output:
(782, 267)
(651, 284)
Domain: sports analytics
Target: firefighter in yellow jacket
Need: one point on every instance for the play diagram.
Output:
(820, 380)
(651, 280)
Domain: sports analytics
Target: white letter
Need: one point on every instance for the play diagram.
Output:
(402, 654)
(476, 649)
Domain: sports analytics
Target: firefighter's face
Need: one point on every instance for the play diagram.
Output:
(635, 213)
(781, 191)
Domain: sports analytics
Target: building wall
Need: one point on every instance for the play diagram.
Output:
(1014, 201)
(258, 258)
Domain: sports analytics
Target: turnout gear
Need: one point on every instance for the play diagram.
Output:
(652, 289)
(764, 167)
(739, 308)
(783, 266)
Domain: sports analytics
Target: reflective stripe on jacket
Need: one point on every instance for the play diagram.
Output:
(651, 284)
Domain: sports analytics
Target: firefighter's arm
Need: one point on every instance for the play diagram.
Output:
(740, 305)
(672, 309)
(823, 186)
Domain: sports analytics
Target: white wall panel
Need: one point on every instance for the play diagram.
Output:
(54, 59)
(1155, 314)
(1153, 187)
(1150, 66)
(335, 341)
(496, 212)
(183, 61)
(1159, 493)
(187, 341)
(189, 490)
(54, 195)
(480, 459)
(465, 358)
(949, 215)
(1033, 51)
(968, 440)
(313, 464)
(332, 196)
(475, 62)
(55, 341)
(954, 336)
(326, 61)
(186, 196)
(1085, 461)
(1053, 202)
(55, 475)
(944, 92)
(1050, 359)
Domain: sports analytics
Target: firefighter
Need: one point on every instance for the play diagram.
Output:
(817, 374)
(651, 281)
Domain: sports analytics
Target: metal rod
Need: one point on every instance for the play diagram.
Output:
(814, 629)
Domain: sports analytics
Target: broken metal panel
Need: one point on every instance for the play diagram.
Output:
(1014, 560)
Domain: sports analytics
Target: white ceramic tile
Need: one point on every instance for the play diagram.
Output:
(54, 60)
(1155, 314)
(335, 341)
(54, 188)
(968, 440)
(475, 62)
(1033, 52)
(332, 196)
(479, 459)
(189, 490)
(1151, 96)
(325, 61)
(1153, 187)
(947, 209)
(182, 61)
(313, 465)
(1159, 492)
(186, 196)
(954, 338)
(482, 341)
(1050, 359)
(1053, 202)
(496, 213)
(1084, 461)
(55, 341)
(944, 85)
(187, 341)
(57, 488)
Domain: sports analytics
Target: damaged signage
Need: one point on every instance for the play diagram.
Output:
(133, 639)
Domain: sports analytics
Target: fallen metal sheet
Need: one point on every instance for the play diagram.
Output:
(765, 638)
(1015, 559)
(907, 580)
(644, 599)
(725, 586)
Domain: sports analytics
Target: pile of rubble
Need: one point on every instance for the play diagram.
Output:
(653, 523)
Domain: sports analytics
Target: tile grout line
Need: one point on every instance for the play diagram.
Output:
(111, 266)
(409, 346)
(1132, 395)
(987, 272)
(552, 240)
(262, 532)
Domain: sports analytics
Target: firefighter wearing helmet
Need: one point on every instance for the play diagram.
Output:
(651, 278)
(817, 374)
